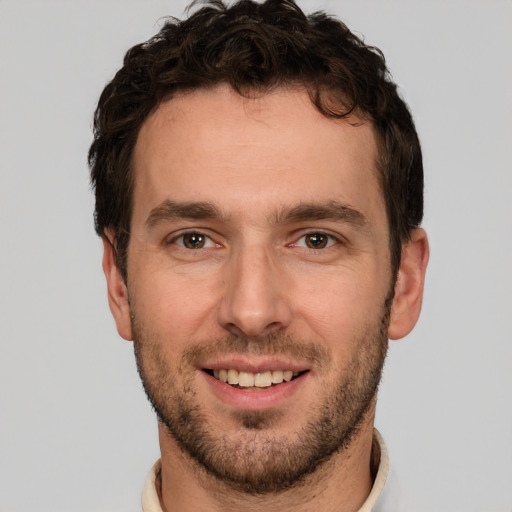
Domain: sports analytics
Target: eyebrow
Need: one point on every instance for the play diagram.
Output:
(331, 210)
(313, 211)
(194, 210)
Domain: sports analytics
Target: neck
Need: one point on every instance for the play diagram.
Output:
(340, 484)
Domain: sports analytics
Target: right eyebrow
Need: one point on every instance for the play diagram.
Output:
(330, 210)
(194, 210)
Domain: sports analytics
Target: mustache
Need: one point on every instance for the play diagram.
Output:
(273, 344)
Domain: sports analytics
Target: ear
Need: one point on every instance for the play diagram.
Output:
(117, 290)
(409, 286)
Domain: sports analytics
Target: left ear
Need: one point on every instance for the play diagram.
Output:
(409, 285)
(116, 288)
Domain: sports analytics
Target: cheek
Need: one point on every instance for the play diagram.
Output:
(173, 303)
(334, 317)
(339, 307)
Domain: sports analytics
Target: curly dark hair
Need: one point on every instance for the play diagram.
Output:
(255, 48)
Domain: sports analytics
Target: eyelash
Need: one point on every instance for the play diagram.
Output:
(181, 236)
(331, 240)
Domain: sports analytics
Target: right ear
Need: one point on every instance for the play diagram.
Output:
(117, 290)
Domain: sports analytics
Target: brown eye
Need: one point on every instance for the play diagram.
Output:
(316, 240)
(194, 240)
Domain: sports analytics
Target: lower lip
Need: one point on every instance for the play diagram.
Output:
(252, 400)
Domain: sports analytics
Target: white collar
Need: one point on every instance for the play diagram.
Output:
(377, 501)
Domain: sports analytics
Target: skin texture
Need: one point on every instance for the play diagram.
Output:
(234, 280)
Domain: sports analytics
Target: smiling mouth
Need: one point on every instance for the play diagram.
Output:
(262, 380)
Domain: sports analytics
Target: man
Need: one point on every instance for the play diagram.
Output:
(259, 194)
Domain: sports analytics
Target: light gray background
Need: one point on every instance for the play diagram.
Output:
(76, 432)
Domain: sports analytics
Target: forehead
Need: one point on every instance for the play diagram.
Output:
(278, 149)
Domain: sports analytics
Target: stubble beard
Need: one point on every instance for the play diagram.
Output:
(254, 459)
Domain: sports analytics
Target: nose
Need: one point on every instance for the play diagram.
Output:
(255, 301)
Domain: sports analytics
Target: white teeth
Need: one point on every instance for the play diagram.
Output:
(245, 379)
(232, 377)
(263, 380)
(259, 380)
(277, 377)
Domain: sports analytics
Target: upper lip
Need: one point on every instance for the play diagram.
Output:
(254, 366)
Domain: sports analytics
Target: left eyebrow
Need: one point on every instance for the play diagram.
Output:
(332, 210)
(194, 210)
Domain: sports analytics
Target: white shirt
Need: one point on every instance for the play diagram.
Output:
(382, 498)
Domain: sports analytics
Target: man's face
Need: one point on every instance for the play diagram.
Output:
(259, 250)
